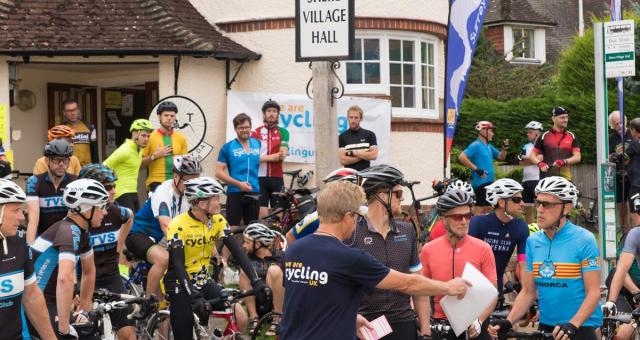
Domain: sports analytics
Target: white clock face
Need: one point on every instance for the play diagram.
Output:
(190, 121)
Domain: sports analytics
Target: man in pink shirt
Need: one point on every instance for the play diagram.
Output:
(445, 257)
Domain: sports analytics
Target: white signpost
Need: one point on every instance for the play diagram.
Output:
(324, 30)
(619, 49)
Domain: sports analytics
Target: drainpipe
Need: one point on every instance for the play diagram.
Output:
(580, 19)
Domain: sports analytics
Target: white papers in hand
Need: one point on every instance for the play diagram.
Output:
(462, 313)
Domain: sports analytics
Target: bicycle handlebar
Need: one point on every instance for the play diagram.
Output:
(524, 335)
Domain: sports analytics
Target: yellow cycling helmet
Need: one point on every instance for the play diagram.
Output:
(533, 228)
(141, 124)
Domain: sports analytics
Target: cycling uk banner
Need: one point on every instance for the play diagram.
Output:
(296, 115)
(465, 25)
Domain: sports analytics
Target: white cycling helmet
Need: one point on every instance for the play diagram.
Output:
(11, 192)
(186, 165)
(259, 232)
(83, 194)
(484, 124)
(559, 187)
(201, 188)
(502, 188)
(461, 185)
(533, 125)
(342, 174)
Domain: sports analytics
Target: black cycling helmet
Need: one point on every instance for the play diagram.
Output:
(186, 165)
(166, 106)
(270, 103)
(559, 111)
(58, 148)
(99, 172)
(380, 177)
(453, 199)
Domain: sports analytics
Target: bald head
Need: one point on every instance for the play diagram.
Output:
(614, 120)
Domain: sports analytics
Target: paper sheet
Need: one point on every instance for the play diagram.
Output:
(462, 313)
(380, 329)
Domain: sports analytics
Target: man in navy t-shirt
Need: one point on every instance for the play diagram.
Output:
(324, 278)
(502, 229)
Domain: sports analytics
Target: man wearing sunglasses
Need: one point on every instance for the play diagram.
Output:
(325, 279)
(503, 229)
(454, 251)
(394, 244)
(562, 271)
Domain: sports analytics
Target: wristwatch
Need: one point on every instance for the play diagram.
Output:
(153, 158)
(350, 153)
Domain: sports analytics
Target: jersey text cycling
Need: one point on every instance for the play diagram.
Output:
(104, 241)
(41, 166)
(242, 164)
(199, 241)
(271, 139)
(63, 241)
(398, 251)
(52, 208)
(308, 225)
(502, 237)
(125, 161)
(163, 202)
(555, 145)
(16, 272)
(558, 267)
(482, 155)
(161, 169)
(324, 281)
(361, 139)
(442, 262)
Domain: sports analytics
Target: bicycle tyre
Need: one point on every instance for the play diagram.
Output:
(152, 327)
(263, 326)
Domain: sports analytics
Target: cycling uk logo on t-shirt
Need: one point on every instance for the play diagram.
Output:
(239, 152)
(297, 272)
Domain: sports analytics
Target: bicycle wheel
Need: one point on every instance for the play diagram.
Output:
(264, 325)
(153, 330)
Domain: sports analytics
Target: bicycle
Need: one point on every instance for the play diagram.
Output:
(135, 281)
(587, 217)
(108, 302)
(229, 296)
(422, 222)
(292, 203)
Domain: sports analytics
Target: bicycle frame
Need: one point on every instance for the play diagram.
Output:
(229, 316)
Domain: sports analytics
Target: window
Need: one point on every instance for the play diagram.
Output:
(523, 43)
(403, 66)
(365, 68)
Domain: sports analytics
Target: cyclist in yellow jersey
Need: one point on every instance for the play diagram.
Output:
(164, 143)
(59, 132)
(85, 140)
(193, 236)
(126, 160)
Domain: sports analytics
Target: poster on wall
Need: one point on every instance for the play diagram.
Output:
(296, 115)
(112, 99)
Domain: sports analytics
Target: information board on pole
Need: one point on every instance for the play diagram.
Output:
(608, 199)
(325, 30)
(619, 49)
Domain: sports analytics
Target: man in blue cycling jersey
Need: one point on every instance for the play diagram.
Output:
(503, 229)
(150, 223)
(563, 269)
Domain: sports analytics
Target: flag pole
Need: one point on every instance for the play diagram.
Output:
(445, 156)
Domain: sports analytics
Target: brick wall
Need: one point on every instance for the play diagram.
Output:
(495, 34)
(423, 26)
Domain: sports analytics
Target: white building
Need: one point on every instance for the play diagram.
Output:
(100, 52)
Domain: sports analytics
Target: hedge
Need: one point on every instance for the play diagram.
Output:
(511, 116)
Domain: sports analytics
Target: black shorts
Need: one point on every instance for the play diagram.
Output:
(118, 317)
(481, 195)
(129, 200)
(139, 244)
(529, 192)
(241, 207)
(627, 188)
(269, 185)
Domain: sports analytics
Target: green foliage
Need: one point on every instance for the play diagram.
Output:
(492, 77)
(458, 170)
(511, 117)
(515, 174)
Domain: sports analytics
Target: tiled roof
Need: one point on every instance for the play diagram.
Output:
(111, 27)
(514, 11)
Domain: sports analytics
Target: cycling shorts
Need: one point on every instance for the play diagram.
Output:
(529, 194)
(139, 244)
(481, 195)
(269, 185)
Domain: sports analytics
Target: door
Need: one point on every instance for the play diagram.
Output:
(86, 96)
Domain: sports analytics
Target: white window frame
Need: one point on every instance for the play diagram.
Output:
(539, 44)
(384, 87)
